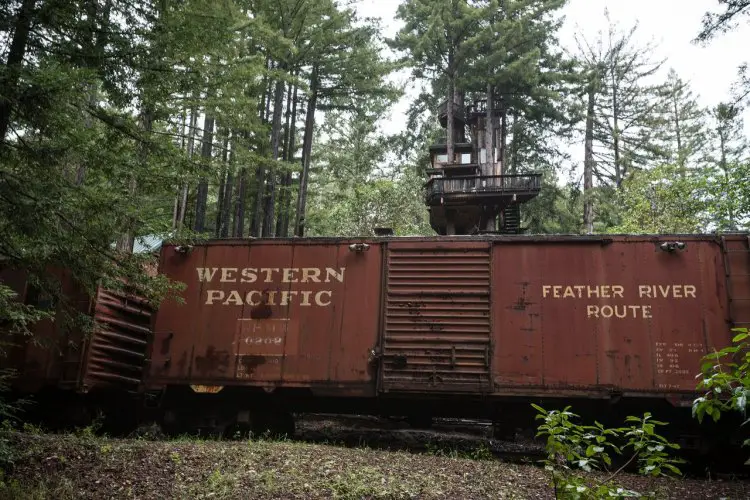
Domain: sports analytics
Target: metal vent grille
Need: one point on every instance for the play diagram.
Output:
(117, 349)
(437, 318)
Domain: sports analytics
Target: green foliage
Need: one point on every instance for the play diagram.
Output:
(724, 380)
(664, 199)
(355, 189)
(715, 23)
(571, 446)
(728, 170)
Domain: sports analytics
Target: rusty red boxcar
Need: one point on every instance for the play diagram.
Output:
(61, 363)
(466, 326)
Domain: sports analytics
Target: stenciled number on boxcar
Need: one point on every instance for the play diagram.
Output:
(263, 340)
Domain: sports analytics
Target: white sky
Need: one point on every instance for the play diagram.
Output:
(671, 24)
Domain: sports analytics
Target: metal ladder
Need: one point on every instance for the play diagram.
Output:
(739, 307)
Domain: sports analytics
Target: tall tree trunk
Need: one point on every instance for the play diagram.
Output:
(299, 219)
(189, 151)
(723, 164)
(228, 190)
(95, 49)
(616, 132)
(256, 223)
(588, 162)
(202, 195)
(450, 137)
(514, 145)
(268, 221)
(678, 135)
(177, 197)
(127, 239)
(282, 223)
(221, 198)
(489, 143)
(502, 155)
(238, 229)
(9, 77)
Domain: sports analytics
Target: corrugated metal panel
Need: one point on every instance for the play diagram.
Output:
(117, 349)
(437, 318)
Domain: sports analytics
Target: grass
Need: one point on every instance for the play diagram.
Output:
(82, 466)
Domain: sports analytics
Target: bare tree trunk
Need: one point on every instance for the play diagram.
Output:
(514, 145)
(678, 134)
(16, 53)
(228, 190)
(202, 195)
(282, 225)
(500, 169)
(221, 198)
(238, 229)
(489, 145)
(725, 170)
(127, 239)
(449, 141)
(177, 199)
(256, 223)
(616, 133)
(299, 220)
(588, 162)
(268, 221)
(189, 151)
(96, 49)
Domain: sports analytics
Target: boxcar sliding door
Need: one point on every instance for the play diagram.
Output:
(436, 328)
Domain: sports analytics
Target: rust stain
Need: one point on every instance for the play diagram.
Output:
(213, 362)
(251, 362)
(165, 343)
(262, 310)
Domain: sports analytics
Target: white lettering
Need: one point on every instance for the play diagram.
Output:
(213, 295)
(310, 274)
(319, 300)
(289, 275)
(248, 275)
(249, 298)
(285, 296)
(206, 274)
(269, 271)
(592, 311)
(339, 275)
(234, 298)
(305, 297)
(226, 274)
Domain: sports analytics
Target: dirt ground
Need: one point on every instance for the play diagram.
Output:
(328, 459)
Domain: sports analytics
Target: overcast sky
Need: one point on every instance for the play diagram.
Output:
(671, 24)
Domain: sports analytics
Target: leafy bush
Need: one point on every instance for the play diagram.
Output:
(725, 380)
(572, 446)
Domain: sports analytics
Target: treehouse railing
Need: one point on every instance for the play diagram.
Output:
(441, 188)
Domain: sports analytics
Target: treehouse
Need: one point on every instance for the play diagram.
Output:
(469, 192)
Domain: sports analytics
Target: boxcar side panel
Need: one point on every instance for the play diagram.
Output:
(618, 316)
(267, 314)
